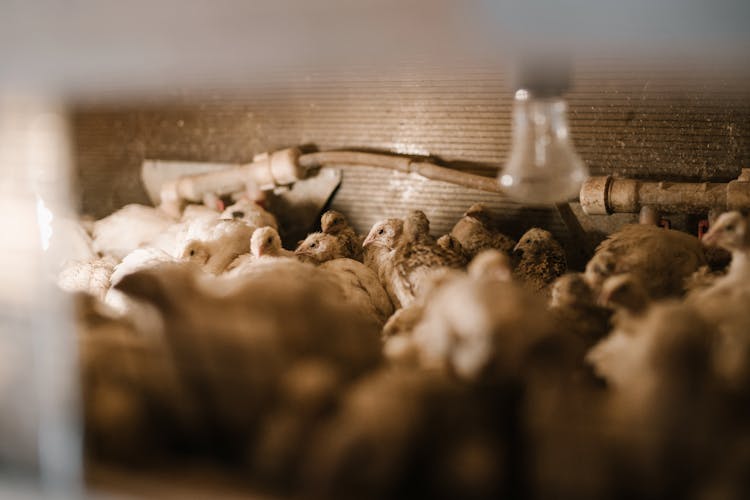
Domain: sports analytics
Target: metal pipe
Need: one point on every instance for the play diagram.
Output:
(267, 171)
(401, 164)
(607, 195)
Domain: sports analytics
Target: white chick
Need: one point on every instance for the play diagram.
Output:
(266, 242)
(361, 287)
(89, 276)
(489, 265)
(471, 324)
(265, 251)
(725, 302)
(732, 232)
(129, 228)
(214, 245)
(144, 317)
(251, 213)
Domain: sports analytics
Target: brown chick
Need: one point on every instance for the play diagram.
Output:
(540, 259)
(379, 246)
(395, 429)
(233, 340)
(475, 232)
(572, 303)
(382, 239)
(415, 257)
(661, 397)
(451, 244)
(361, 287)
(660, 258)
(318, 248)
(335, 224)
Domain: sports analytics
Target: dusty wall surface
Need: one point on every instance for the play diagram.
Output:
(655, 123)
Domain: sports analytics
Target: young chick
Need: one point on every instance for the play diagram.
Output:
(128, 228)
(572, 303)
(724, 303)
(144, 318)
(451, 244)
(335, 224)
(488, 265)
(251, 213)
(475, 232)
(643, 351)
(540, 259)
(321, 247)
(266, 242)
(414, 258)
(379, 246)
(731, 232)
(660, 258)
(479, 327)
(360, 287)
(417, 228)
(266, 254)
(492, 265)
(214, 245)
(91, 276)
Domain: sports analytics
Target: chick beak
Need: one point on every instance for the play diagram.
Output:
(368, 241)
(517, 251)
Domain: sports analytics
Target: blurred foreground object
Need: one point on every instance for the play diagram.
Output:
(38, 429)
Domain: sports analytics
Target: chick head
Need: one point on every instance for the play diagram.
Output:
(332, 222)
(729, 232)
(265, 241)
(318, 248)
(532, 240)
(195, 251)
(385, 233)
(416, 224)
(479, 213)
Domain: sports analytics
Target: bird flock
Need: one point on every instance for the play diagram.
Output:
(400, 365)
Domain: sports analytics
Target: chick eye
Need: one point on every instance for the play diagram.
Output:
(192, 252)
(268, 241)
(313, 245)
(381, 231)
(730, 227)
(527, 240)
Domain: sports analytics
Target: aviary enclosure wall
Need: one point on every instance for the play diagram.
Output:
(650, 122)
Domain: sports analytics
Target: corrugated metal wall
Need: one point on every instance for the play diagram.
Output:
(650, 123)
